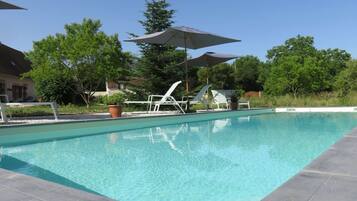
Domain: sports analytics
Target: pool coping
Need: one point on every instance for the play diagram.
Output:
(15, 186)
(330, 177)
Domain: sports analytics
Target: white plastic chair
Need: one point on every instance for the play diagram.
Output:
(219, 98)
(243, 103)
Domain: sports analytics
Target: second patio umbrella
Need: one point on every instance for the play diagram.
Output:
(209, 59)
(184, 37)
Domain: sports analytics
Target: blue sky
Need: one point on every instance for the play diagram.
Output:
(260, 24)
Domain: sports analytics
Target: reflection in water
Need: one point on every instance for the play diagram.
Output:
(159, 135)
(225, 159)
(113, 138)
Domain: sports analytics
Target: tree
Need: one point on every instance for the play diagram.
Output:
(301, 46)
(221, 76)
(83, 55)
(297, 67)
(333, 61)
(158, 64)
(346, 81)
(247, 71)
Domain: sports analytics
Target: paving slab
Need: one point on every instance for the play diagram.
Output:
(8, 194)
(300, 187)
(22, 187)
(337, 188)
(335, 162)
(346, 144)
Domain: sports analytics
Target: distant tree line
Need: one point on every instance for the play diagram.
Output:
(78, 62)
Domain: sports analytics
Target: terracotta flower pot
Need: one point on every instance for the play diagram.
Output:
(115, 111)
(234, 105)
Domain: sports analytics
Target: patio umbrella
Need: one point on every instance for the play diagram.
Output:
(184, 37)
(5, 5)
(209, 59)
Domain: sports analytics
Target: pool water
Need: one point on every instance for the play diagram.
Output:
(232, 159)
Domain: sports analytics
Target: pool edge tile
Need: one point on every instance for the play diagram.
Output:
(38, 189)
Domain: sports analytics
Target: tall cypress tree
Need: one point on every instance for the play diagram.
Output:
(158, 64)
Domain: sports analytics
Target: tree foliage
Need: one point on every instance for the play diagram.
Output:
(158, 63)
(346, 81)
(297, 67)
(221, 76)
(83, 56)
(247, 71)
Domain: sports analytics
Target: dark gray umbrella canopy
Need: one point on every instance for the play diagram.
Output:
(5, 5)
(209, 59)
(184, 37)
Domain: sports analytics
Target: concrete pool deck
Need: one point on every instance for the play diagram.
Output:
(330, 177)
(19, 187)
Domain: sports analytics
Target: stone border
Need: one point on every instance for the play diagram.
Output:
(330, 177)
(15, 186)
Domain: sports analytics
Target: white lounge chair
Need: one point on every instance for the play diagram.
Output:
(242, 102)
(219, 98)
(166, 99)
(199, 98)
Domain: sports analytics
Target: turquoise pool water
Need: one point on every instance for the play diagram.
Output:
(230, 159)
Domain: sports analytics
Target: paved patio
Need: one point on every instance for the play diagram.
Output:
(330, 177)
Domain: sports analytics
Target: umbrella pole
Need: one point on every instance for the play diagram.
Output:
(186, 65)
(207, 75)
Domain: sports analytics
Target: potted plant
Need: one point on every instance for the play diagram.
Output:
(235, 98)
(234, 102)
(115, 103)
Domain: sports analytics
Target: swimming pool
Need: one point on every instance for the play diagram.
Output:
(240, 158)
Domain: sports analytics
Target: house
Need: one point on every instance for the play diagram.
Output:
(12, 65)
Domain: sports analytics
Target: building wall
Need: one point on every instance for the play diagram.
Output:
(11, 80)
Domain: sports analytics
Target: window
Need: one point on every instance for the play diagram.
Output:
(19, 92)
(3, 91)
(2, 87)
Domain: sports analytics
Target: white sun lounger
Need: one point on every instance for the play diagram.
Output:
(199, 98)
(219, 98)
(166, 99)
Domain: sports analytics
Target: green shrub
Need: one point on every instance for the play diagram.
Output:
(346, 81)
(116, 99)
(52, 84)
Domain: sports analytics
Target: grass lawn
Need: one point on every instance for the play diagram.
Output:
(321, 100)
